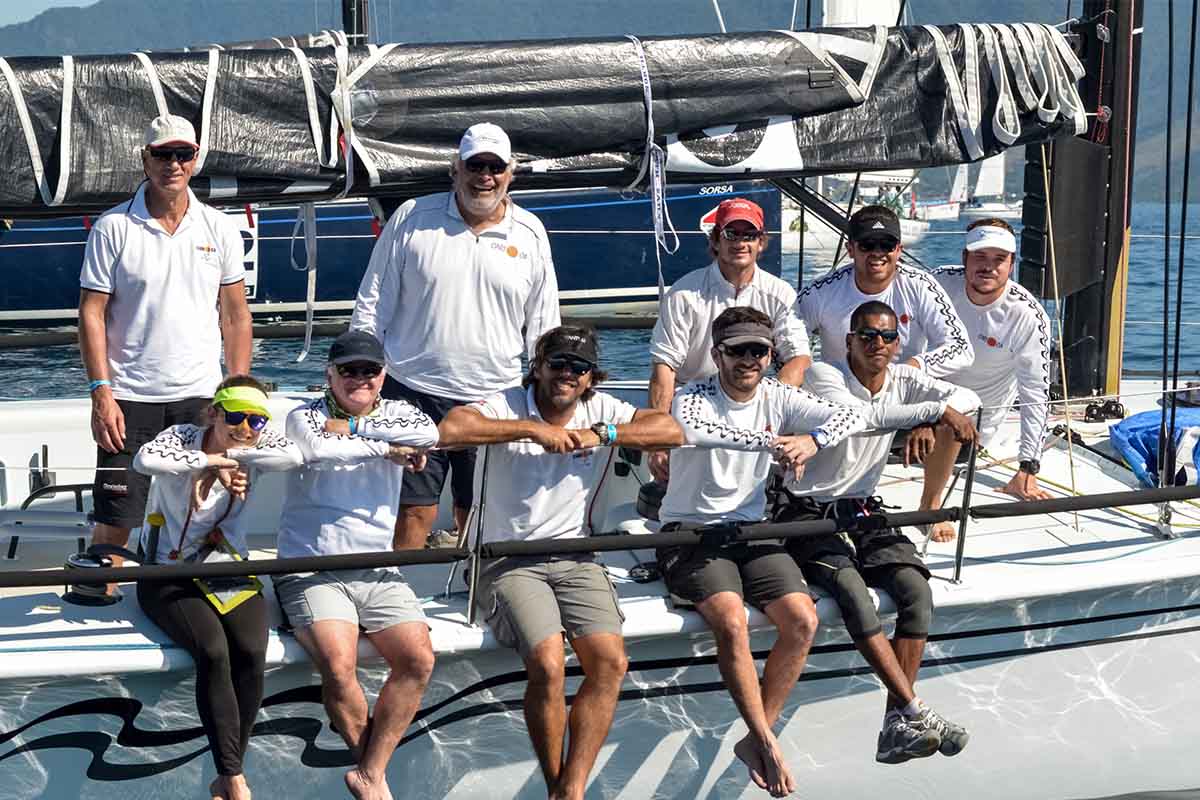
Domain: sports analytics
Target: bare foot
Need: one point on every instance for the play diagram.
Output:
(944, 532)
(748, 753)
(363, 787)
(773, 769)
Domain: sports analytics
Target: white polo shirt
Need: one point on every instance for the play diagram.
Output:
(532, 494)
(930, 330)
(908, 398)
(682, 337)
(723, 478)
(450, 305)
(1012, 358)
(344, 499)
(163, 330)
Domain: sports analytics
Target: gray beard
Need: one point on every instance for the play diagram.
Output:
(480, 206)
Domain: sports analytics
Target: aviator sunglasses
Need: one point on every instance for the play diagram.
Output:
(751, 349)
(577, 365)
(256, 421)
(181, 154)
(868, 335)
(359, 372)
(877, 245)
(478, 165)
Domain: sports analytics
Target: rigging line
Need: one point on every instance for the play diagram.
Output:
(1162, 423)
(795, 8)
(720, 19)
(1062, 357)
(1187, 167)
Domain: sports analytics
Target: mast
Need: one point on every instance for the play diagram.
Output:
(1091, 200)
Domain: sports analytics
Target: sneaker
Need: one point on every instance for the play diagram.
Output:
(953, 737)
(900, 741)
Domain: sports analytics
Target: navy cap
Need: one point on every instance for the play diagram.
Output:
(354, 346)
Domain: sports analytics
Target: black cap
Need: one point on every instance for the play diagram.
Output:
(570, 340)
(356, 346)
(876, 221)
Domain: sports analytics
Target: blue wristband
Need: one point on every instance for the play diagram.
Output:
(94, 385)
(353, 426)
(612, 434)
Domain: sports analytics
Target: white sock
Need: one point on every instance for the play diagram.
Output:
(913, 709)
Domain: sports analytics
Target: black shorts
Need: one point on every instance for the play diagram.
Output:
(760, 572)
(868, 552)
(424, 488)
(119, 492)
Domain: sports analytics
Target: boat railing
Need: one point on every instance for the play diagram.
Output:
(605, 542)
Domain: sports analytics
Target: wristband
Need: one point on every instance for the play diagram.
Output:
(353, 422)
(94, 385)
(612, 434)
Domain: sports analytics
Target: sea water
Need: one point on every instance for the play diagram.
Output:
(50, 372)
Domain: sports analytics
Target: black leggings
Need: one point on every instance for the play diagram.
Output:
(230, 652)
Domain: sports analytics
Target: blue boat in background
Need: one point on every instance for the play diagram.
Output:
(602, 241)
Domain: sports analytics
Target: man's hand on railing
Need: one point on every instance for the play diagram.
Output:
(792, 451)
(919, 444)
(960, 425)
(411, 458)
(553, 438)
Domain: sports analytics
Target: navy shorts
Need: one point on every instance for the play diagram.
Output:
(424, 488)
(119, 493)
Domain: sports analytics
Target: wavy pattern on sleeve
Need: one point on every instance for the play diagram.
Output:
(1033, 372)
(401, 423)
(955, 352)
(696, 412)
(306, 427)
(272, 453)
(810, 413)
(175, 451)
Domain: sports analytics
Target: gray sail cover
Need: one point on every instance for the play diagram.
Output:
(294, 124)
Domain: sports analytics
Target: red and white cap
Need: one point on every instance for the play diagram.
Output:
(484, 137)
(738, 208)
(170, 129)
(991, 236)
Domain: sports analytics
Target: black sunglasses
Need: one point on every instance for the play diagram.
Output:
(359, 371)
(730, 235)
(577, 365)
(478, 165)
(877, 245)
(181, 154)
(742, 350)
(256, 421)
(868, 335)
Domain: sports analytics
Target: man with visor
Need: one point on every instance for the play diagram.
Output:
(682, 340)
(840, 481)
(356, 446)
(1011, 334)
(459, 285)
(932, 337)
(550, 445)
(162, 293)
(739, 422)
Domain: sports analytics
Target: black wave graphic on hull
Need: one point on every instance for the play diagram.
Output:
(307, 729)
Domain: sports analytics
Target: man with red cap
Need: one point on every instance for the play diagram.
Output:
(681, 345)
(162, 291)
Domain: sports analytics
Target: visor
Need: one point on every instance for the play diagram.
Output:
(242, 398)
(747, 332)
(991, 236)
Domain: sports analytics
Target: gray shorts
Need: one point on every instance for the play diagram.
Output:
(761, 572)
(375, 598)
(527, 600)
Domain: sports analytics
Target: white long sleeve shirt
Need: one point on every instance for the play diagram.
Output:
(532, 494)
(682, 337)
(453, 309)
(344, 499)
(930, 330)
(908, 398)
(1012, 358)
(175, 460)
(723, 479)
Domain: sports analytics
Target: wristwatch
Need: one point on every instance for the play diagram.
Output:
(602, 431)
(1030, 466)
(821, 438)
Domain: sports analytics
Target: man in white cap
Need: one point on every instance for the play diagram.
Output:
(162, 292)
(460, 284)
(1010, 332)
(681, 344)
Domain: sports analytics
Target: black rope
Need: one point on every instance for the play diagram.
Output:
(1187, 165)
(1166, 307)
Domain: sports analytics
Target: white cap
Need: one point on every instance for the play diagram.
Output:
(169, 129)
(484, 137)
(991, 236)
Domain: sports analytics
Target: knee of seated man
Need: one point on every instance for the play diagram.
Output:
(858, 609)
(914, 603)
(545, 663)
(416, 662)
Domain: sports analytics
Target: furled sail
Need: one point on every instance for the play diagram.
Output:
(314, 123)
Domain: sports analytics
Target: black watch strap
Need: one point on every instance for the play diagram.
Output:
(1031, 466)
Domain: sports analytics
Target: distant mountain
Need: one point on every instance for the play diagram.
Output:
(115, 26)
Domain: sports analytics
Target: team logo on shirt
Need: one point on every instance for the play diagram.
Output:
(206, 248)
(904, 318)
(509, 250)
(990, 341)
(512, 251)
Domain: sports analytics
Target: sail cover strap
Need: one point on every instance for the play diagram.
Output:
(654, 160)
(307, 219)
(64, 127)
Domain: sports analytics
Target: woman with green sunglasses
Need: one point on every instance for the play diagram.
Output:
(202, 478)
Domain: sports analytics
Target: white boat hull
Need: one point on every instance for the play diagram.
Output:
(997, 209)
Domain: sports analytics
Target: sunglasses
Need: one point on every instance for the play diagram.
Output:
(359, 372)
(868, 335)
(478, 165)
(256, 421)
(730, 235)
(577, 366)
(877, 245)
(181, 154)
(750, 349)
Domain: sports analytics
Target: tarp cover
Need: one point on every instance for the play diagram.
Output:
(1136, 439)
(274, 124)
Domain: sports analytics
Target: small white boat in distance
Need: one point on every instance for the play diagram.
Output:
(990, 184)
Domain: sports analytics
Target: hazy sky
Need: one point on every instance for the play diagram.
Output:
(13, 11)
